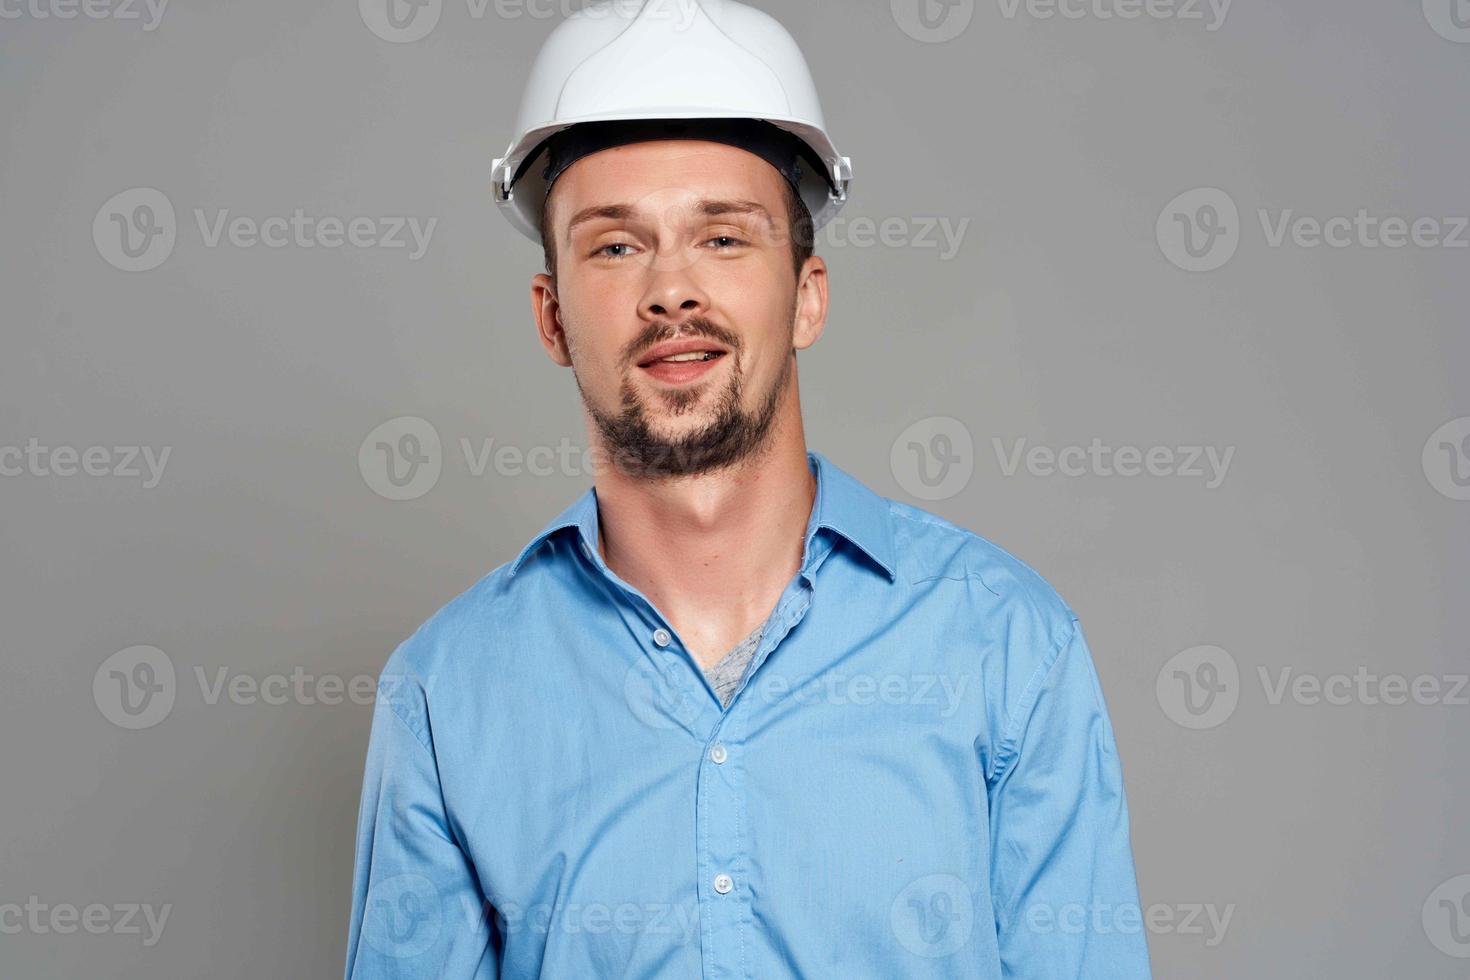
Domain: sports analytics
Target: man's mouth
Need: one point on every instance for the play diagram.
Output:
(693, 355)
(681, 362)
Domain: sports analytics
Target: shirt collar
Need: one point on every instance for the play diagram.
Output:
(843, 505)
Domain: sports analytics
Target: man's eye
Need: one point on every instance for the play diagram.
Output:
(730, 240)
(603, 250)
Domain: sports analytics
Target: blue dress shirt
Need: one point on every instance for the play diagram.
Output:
(916, 778)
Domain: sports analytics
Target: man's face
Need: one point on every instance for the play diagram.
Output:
(675, 302)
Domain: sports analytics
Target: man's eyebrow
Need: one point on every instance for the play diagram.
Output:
(713, 208)
(617, 212)
(707, 206)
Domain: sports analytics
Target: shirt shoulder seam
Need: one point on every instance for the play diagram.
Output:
(970, 535)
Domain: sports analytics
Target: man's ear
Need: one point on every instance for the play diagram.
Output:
(547, 312)
(811, 303)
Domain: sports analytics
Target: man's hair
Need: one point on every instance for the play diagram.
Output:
(802, 233)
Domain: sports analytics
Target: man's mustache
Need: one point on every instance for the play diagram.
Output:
(694, 326)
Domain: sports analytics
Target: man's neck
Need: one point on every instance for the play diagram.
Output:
(712, 552)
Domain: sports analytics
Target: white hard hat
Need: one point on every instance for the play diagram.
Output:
(666, 59)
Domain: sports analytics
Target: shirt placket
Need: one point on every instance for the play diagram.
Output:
(721, 834)
(722, 862)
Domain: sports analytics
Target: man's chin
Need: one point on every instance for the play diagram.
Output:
(679, 409)
(674, 429)
(676, 451)
(663, 434)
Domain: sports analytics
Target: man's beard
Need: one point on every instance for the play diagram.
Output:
(731, 436)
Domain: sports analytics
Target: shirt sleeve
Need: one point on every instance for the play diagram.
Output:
(1063, 883)
(417, 908)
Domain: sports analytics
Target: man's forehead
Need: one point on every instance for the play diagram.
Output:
(641, 210)
(667, 191)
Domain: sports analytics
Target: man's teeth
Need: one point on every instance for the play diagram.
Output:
(694, 355)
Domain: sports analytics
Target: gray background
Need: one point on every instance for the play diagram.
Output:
(265, 548)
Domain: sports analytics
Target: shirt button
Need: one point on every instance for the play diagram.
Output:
(723, 884)
(717, 754)
(661, 637)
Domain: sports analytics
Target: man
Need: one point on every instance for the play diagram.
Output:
(731, 714)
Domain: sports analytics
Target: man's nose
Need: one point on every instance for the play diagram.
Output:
(673, 293)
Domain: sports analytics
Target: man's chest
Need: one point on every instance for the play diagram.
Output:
(829, 811)
(842, 791)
